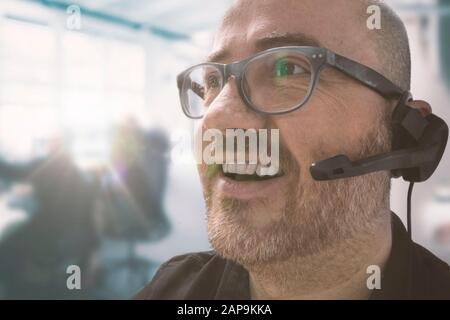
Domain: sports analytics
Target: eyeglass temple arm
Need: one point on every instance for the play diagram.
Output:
(365, 75)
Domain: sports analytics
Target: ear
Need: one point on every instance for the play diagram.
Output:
(423, 106)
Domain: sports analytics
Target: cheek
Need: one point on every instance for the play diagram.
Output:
(337, 122)
(299, 142)
(323, 128)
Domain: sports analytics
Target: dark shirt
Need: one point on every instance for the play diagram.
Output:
(206, 275)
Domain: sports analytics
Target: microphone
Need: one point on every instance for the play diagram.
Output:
(340, 166)
(415, 163)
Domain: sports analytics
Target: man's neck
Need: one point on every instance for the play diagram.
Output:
(340, 272)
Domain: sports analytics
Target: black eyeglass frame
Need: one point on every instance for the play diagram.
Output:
(318, 59)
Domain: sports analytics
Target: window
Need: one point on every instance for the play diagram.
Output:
(27, 87)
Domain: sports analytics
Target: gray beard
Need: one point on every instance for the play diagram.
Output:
(317, 214)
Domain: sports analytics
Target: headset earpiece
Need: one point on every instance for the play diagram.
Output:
(426, 137)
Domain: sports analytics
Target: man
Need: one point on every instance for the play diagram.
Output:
(291, 237)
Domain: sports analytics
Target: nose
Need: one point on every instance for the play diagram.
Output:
(228, 111)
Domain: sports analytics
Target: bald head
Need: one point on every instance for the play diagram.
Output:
(341, 26)
(392, 45)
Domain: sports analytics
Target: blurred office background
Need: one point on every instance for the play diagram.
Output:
(95, 166)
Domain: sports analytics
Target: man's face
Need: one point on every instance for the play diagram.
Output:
(256, 222)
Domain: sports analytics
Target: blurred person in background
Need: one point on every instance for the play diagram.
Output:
(132, 203)
(139, 168)
(61, 232)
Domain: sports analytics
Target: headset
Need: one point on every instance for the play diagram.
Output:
(418, 144)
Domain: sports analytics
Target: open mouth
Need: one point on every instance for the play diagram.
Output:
(251, 172)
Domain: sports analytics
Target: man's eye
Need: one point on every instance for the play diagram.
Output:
(212, 82)
(287, 68)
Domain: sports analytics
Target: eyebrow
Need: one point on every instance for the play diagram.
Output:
(272, 40)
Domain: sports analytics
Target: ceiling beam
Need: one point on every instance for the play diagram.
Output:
(117, 20)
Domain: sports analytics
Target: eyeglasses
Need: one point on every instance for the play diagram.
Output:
(275, 81)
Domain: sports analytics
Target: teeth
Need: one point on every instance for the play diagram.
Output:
(241, 168)
(250, 169)
(232, 168)
(265, 171)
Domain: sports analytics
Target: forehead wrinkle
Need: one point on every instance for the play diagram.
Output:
(248, 20)
(270, 40)
(275, 39)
